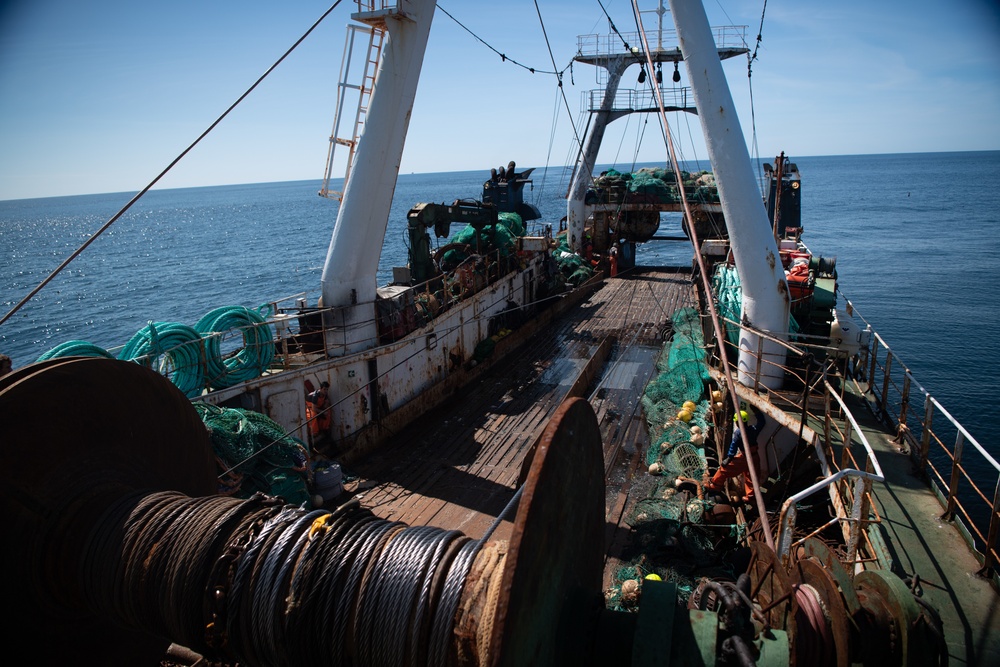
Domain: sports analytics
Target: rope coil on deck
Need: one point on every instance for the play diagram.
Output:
(262, 582)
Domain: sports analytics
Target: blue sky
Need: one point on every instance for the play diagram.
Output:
(100, 96)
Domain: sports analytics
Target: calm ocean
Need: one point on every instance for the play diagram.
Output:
(915, 235)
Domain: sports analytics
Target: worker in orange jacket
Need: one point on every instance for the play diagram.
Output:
(735, 463)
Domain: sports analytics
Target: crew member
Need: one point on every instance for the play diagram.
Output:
(6, 365)
(735, 463)
(317, 412)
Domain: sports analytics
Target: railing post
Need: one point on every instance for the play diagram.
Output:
(884, 400)
(872, 367)
(863, 354)
(925, 436)
(989, 551)
(845, 458)
(827, 419)
(905, 399)
(760, 361)
(786, 530)
(859, 513)
(949, 512)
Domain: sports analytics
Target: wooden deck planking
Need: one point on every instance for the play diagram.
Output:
(458, 465)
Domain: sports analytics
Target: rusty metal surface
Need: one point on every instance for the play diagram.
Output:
(550, 597)
(897, 629)
(88, 431)
(817, 550)
(771, 588)
(831, 644)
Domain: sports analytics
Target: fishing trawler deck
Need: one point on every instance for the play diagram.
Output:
(459, 464)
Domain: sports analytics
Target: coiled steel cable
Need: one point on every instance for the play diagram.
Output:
(264, 583)
(451, 595)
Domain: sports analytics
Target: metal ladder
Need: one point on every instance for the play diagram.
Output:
(373, 55)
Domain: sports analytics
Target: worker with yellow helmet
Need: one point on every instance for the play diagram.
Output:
(734, 463)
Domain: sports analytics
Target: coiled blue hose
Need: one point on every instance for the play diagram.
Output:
(251, 361)
(75, 348)
(174, 348)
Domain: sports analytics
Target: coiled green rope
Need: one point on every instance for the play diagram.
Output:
(171, 348)
(251, 361)
(75, 348)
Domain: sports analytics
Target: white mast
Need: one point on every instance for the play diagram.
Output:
(765, 292)
(349, 274)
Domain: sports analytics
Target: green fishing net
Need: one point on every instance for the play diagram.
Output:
(656, 185)
(574, 269)
(729, 302)
(255, 454)
(670, 537)
(512, 222)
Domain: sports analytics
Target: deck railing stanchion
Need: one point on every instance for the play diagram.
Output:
(956, 463)
(873, 367)
(845, 454)
(859, 512)
(904, 401)
(925, 436)
(827, 418)
(884, 401)
(989, 550)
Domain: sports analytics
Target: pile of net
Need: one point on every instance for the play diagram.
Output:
(500, 238)
(670, 537)
(255, 454)
(574, 269)
(729, 302)
(654, 185)
(682, 377)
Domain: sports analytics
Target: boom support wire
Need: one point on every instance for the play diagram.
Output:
(76, 253)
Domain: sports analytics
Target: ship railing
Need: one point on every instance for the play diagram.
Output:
(365, 6)
(726, 37)
(820, 403)
(299, 333)
(631, 99)
(962, 474)
(397, 316)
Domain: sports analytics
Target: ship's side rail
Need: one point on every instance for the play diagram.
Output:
(286, 333)
(632, 100)
(726, 37)
(963, 475)
(848, 477)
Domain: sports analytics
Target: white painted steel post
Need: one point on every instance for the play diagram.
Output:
(576, 214)
(765, 292)
(349, 274)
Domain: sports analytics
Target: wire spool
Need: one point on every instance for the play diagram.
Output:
(94, 459)
(115, 563)
(550, 594)
(897, 629)
(822, 632)
(772, 588)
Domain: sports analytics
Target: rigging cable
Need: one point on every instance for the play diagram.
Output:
(504, 56)
(76, 253)
(562, 90)
(750, 59)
